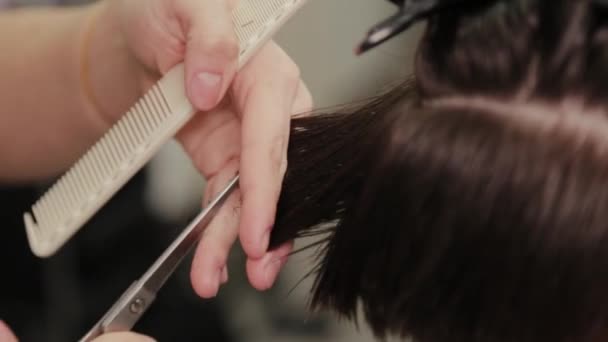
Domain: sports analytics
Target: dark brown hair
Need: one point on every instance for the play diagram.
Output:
(470, 204)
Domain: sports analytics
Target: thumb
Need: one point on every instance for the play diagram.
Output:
(6, 335)
(212, 50)
(123, 337)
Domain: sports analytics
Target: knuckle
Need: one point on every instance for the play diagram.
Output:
(214, 255)
(284, 65)
(307, 100)
(225, 47)
(303, 103)
(291, 71)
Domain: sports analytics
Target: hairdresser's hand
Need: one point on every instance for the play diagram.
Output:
(247, 133)
(123, 337)
(6, 335)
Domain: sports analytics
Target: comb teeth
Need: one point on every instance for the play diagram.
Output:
(136, 137)
(109, 164)
(253, 17)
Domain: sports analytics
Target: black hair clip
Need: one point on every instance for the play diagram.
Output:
(410, 12)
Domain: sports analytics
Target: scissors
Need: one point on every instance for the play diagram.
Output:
(134, 302)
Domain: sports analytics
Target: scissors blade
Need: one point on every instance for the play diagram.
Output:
(134, 302)
(165, 265)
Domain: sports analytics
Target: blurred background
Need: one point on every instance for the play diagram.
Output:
(60, 298)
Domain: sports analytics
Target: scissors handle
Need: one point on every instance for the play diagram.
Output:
(125, 312)
(134, 302)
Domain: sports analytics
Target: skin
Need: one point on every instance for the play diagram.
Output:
(243, 123)
(6, 335)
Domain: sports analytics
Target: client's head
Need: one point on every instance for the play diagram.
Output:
(470, 204)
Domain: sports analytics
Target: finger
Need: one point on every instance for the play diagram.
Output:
(6, 334)
(123, 337)
(264, 93)
(212, 139)
(224, 277)
(209, 264)
(212, 49)
(303, 104)
(263, 272)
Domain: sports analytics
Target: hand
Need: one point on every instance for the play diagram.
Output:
(6, 335)
(247, 132)
(123, 337)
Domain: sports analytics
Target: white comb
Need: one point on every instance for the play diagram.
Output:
(136, 137)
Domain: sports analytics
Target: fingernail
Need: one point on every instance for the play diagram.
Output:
(224, 275)
(271, 271)
(206, 89)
